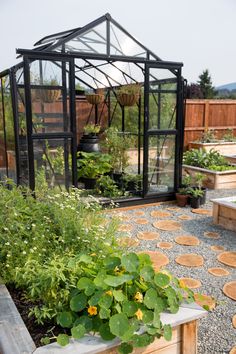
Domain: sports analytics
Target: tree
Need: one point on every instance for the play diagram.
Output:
(205, 84)
(194, 91)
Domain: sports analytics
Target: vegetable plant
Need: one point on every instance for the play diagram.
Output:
(93, 164)
(92, 129)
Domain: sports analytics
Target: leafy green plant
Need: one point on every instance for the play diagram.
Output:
(229, 135)
(107, 187)
(199, 178)
(129, 89)
(92, 129)
(118, 296)
(211, 160)
(208, 137)
(195, 192)
(132, 181)
(93, 164)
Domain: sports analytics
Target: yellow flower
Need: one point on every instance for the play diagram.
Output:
(139, 314)
(138, 297)
(182, 284)
(93, 254)
(92, 310)
(109, 292)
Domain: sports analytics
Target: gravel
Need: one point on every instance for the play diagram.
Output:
(216, 333)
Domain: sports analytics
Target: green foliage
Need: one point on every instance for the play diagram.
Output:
(133, 89)
(92, 128)
(107, 187)
(205, 83)
(195, 192)
(208, 137)
(93, 164)
(229, 135)
(211, 160)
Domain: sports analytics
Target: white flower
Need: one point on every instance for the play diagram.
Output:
(8, 255)
(7, 243)
(35, 248)
(33, 225)
(26, 242)
(23, 252)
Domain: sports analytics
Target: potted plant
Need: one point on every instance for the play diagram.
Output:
(90, 141)
(195, 197)
(199, 178)
(182, 196)
(49, 95)
(132, 182)
(128, 95)
(91, 165)
(95, 98)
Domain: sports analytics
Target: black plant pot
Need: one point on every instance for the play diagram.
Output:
(195, 202)
(89, 183)
(89, 143)
(203, 198)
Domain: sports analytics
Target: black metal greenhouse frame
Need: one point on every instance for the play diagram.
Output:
(47, 52)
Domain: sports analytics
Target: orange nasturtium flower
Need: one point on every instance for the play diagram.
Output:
(138, 297)
(182, 284)
(139, 314)
(92, 310)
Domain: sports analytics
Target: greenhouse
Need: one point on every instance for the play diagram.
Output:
(93, 108)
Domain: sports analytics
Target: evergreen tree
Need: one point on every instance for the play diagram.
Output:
(205, 84)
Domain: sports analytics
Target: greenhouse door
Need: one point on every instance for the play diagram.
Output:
(162, 133)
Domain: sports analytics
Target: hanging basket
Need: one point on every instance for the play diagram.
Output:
(49, 96)
(128, 99)
(95, 98)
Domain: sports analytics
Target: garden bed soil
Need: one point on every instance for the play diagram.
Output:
(224, 147)
(36, 331)
(224, 212)
(214, 179)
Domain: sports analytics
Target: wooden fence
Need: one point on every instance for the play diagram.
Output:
(202, 115)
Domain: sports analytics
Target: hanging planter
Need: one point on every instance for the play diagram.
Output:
(128, 95)
(49, 95)
(95, 98)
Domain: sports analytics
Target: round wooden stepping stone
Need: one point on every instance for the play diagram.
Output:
(141, 221)
(233, 350)
(158, 259)
(202, 211)
(187, 240)
(217, 248)
(190, 260)
(211, 234)
(218, 272)
(139, 213)
(165, 245)
(167, 225)
(205, 300)
(129, 242)
(125, 227)
(148, 235)
(228, 258)
(191, 283)
(229, 290)
(234, 321)
(160, 214)
(184, 217)
(173, 208)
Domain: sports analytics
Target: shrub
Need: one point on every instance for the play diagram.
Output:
(211, 160)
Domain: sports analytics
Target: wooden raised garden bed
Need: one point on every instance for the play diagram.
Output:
(224, 148)
(214, 179)
(224, 212)
(184, 335)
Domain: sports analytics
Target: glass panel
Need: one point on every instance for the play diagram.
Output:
(52, 159)
(46, 72)
(122, 44)
(161, 164)
(162, 79)
(3, 169)
(162, 111)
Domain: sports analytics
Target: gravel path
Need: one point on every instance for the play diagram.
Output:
(216, 333)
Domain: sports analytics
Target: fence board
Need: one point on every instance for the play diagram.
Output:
(208, 114)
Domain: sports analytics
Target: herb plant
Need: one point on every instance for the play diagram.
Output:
(93, 164)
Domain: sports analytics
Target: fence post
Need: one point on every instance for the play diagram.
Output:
(206, 115)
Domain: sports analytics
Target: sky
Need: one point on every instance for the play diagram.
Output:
(199, 33)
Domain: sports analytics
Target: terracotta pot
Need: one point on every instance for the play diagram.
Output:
(128, 99)
(182, 199)
(95, 98)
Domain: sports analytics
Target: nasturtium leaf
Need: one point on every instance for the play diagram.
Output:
(161, 280)
(147, 316)
(99, 280)
(105, 301)
(104, 313)
(167, 332)
(93, 301)
(130, 262)
(125, 348)
(115, 281)
(83, 283)
(45, 340)
(63, 339)
(147, 273)
(151, 330)
(142, 340)
(78, 331)
(86, 321)
(105, 332)
(85, 258)
(118, 308)
(156, 319)
(150, 298)
(160, 304)
(65, 319)
(174, 308)
(90, 290)
(74, 292)
(97, 322)
(119, 324)
(144, 259)
(119, 295)
(78, 302)
(111, 262)
(129, 308)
